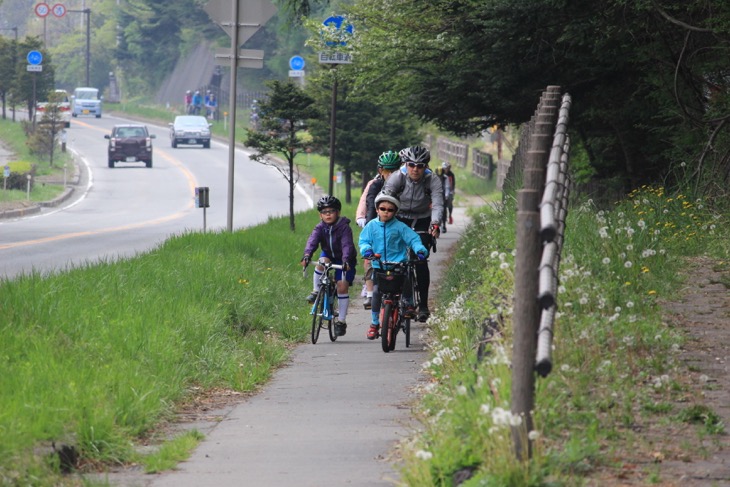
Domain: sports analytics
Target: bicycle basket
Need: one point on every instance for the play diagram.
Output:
(390, 281)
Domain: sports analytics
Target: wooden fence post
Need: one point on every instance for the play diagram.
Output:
(526, 317)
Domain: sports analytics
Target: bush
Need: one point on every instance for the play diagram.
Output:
(19, 171)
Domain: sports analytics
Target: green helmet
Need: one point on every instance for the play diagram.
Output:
(389, 160)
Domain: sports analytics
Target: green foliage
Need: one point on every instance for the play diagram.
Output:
(614, 358)
(650, 89)
(283, 116)
(364, 129)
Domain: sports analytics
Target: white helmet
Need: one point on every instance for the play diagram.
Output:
(389, 197)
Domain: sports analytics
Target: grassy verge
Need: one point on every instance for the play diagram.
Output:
(13, 137)
(96, 357)
(614, 356)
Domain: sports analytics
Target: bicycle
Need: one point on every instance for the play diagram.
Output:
(323, 310)
(392, 279)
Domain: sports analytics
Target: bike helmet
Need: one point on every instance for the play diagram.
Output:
(446, 165)
(389, 160)
(415, 154)
(389, 196)
(329, 202)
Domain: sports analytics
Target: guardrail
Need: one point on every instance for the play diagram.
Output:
(541, 211)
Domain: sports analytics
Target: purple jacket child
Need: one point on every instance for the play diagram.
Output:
(336, 241)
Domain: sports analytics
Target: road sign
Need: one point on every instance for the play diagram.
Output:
(296, 73)
(34, 68)
(337, 22)
(247, 58)
(335, 58)
(253, 15)
(296, 63)
(35, 57)
(42, 9)
(59, 10)
(6, 171)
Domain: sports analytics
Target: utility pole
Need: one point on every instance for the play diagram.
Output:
(87, 12)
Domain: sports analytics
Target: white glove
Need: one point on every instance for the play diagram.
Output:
(361, 222)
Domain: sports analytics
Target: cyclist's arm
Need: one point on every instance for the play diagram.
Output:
(413, 240)
(437, 200)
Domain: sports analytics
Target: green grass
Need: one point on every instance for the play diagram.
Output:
(13, 137)
(98, 356)
(172, 452)
(614, 354)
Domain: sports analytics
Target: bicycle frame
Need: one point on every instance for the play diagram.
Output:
(323, 310)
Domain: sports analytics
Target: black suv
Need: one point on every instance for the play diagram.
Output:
(130, 143)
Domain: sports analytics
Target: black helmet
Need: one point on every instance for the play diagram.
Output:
(389, 196)
(329, 202)
(415, 154)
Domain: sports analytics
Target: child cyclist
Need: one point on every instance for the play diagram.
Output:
(391, 238)
(388, 162)
(334, 235)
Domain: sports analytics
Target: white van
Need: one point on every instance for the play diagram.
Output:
(86, 101)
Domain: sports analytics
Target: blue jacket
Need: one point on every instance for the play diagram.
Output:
(391, 240)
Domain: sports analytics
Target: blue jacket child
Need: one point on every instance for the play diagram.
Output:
(391, 238)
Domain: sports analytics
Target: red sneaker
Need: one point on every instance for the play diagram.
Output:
(451, 220)
(373, 332)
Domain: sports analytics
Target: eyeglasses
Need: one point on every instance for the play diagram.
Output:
(327, 212)
(419, 165)
(387, 210)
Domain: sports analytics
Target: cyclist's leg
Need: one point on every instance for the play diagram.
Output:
(344, 281)
(423, 274)
(374, 315)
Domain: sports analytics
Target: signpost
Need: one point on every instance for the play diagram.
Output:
(246, 17)
(296, 68)
(344, 30)
(35, 58)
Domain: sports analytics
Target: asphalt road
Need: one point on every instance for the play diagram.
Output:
(332, 416)
(129, 209)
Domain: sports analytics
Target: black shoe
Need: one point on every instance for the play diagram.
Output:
(367, 303)
(423, 315)
(312, 297)
(340, 328)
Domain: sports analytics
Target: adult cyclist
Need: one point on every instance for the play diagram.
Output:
(421, 205)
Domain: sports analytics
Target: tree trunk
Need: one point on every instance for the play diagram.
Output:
(290, 157)
(348, 186)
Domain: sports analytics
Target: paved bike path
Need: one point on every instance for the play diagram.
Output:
(331, 416)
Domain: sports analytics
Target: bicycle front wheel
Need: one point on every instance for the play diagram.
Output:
(317, 316)
(333, 307)
(388, 327)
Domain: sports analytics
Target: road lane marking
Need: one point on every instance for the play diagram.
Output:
(189, 176)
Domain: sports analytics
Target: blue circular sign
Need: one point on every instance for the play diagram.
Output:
(337, 21)
(35, 58)
(296, 63)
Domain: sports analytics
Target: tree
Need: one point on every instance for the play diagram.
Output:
(283, 116)
(638, 72)
(364, 130)
(8, 67)
(44, 133)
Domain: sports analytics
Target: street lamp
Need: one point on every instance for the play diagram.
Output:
(15, 59)
(86, 11)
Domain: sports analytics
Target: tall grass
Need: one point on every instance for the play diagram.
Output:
(97, 356)
(614, 359)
